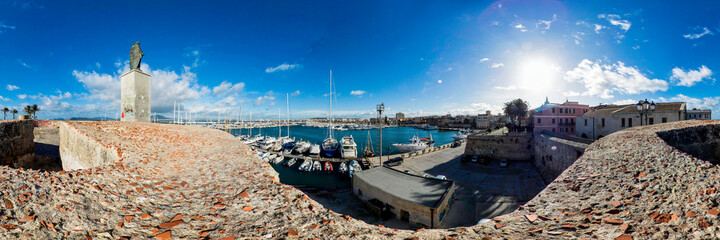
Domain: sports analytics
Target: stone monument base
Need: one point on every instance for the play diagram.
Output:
(135, 96)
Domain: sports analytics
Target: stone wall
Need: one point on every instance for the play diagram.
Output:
(513, 146)
(555, 153)
(80, 151)
(16, 141)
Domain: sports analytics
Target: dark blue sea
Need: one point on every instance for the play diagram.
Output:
(290, 175)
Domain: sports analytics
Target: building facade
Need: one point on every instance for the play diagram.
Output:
(698, 114)
(558, 118)
(606, 119)
(411, 198)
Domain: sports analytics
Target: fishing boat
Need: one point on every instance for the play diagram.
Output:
(314, 150)
(414, 144)
(328, 167)
(461, 135)
(291, 162)
(343, 167)
(349, 148)
(316, 166)
(330, 145)
(369, 152)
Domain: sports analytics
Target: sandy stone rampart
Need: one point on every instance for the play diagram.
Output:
(16, 140)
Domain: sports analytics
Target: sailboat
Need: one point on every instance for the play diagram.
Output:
(368, 152)
(330, 145)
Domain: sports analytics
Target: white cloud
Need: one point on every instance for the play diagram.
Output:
(508, 88)
(484, 59)
(267, 98)
(22, 96)
(357, 93)
(282, 67)
(689, 78)
(625, 102)
(497, 65)
(295, 93)
(543, 25)
(598, 27)
(614, 19)
(226, 88)
(705, 31)
(603, 80)
(521, 27)
(26, 65)
(704, 103)
(570, 94)
(10, 87)
(4, 99)
(4, 27)
(166, 86)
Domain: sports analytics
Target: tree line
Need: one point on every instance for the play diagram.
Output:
(31, 110)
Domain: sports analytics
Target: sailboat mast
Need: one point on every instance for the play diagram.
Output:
(287, 96)
(279, 124)
(331, 97)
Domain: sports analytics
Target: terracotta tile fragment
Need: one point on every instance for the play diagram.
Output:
(248, 208)
(612, 221)
(171, 224)
(531, 217)
(690, 214)
(624, 237)
(164, 236)
(535, 230)
(714, 212)
(232, 237)
(499, 225)
(292, 232)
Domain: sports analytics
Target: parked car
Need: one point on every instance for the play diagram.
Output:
(441, 177)
(504, 162)
(394, 162)
(455, 144)
(474, 159)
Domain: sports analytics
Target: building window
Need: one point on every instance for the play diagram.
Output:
(566, 130)
(651, 121)
(622, 122)
(629, 122)
(553, 121)
(566, 110)
(585, 122)
(603, 122)
(573, 111)
(538, 120)
(553, 110)
(561, 129)
(572, 129)
(664, 120)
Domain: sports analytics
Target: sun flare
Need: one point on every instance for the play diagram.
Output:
(538, 74)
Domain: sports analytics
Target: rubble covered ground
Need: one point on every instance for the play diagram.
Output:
(192, 182)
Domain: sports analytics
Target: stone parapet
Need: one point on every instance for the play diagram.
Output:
(190, 182)
(16, 141)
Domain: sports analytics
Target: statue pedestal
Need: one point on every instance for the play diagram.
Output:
(135, 96)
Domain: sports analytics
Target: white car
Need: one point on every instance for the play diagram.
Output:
(503, 162)
(441, 177)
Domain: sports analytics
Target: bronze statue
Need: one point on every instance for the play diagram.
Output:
(136, 55)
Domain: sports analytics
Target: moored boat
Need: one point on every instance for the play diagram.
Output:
(349, 147)
(316, 166)
(343, 167)
(291, 162)
(328, 167)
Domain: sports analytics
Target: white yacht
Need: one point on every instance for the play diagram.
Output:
(348, 146)
(414, 144)
(314, 150)
(461, 135)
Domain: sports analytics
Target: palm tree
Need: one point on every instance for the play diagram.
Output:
(28, 110)
(35, 109)
(14, 111)
(516, 110)
(5, 111)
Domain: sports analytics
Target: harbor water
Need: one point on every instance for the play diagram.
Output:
(291, 176)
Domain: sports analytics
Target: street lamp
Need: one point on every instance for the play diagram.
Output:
(645, 108)
(380, 108)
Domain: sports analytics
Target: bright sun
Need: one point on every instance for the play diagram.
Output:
(538, 74)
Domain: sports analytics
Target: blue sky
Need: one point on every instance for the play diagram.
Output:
(418, 57)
